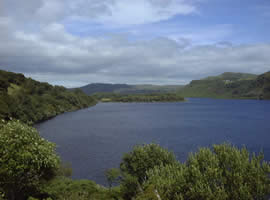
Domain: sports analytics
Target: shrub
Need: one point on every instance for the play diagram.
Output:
(62, 188)
(222, 173)
(26, 160)
(144, 158)
(136, 164)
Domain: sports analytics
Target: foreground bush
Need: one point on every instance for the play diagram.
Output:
(62, 188)
(30, 169)
(26, 160)
(136, 163)
(221, 173)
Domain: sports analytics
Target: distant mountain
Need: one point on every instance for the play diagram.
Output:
(230, 85)
(232, 76)
(262, 85)
(226, 85)
(128, 89)
(32, 101)
(103, 87)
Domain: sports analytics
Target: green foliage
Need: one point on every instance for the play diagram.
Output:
(62, 188)
(150, 193)
(135, 165)
(130, 187)
(64, 170)
(263, 82)
(230, 85)
(167, 181)
(128, 89)
(231, 76)
(223, 173)
(26, 160)
(143, 158)
(31, 101)
(113, 176)
(152, 97)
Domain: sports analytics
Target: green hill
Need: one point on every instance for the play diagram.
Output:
(262, 85)
(231, 76)
(103, 87)
(32, 101)
(230, 85)
(226, 85)
(146, 98)
(128, 89)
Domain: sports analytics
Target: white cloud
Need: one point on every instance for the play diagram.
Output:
(115, 12)
(34, 40)
(52, 10)
(145, 11)
(53, 54)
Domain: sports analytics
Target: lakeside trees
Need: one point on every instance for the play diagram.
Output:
(147, 98)
(31, 101)
(30, 167)
(26, 160)
(223, 172)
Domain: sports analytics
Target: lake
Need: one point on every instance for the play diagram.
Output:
(93, 140)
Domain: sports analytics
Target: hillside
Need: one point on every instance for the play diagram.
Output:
(32, 101)
(128, 89)
(230, 85)
(226, 85)
(103, 87)
(231, 76)
(146, 98)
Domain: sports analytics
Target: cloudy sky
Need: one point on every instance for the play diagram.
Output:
(73, 43)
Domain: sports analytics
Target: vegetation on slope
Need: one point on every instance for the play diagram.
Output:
(232, 76)
(30, 169)
(128, 89)
(103, 87)
(31, 101)
(226, 85)
(263, 83)
(157, 97)
(230, 85)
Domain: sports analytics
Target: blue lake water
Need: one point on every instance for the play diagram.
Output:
(93, 140)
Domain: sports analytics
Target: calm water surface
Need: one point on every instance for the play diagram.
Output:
(94, 139)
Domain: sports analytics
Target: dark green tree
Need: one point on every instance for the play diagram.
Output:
(136, 164)
(221, 173)
(113, 176)
(26, 160)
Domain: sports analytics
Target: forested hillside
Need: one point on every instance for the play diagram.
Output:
(226, 85)
(32, 101)
(230, 85)
(146, 98)
(93, 88)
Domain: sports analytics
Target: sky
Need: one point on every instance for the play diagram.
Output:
(74, 43)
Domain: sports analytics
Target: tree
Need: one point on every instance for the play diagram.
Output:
(221, 173)
(136, 164)
(143, 158)
(26, 160)
(113, 176)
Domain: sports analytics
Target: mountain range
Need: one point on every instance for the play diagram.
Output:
(226, 85)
